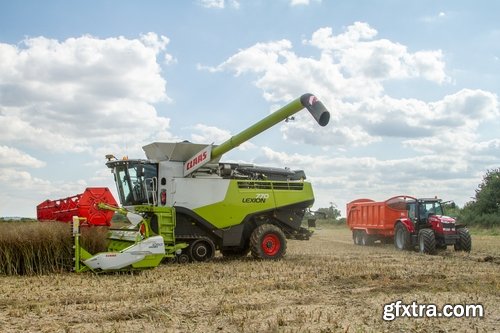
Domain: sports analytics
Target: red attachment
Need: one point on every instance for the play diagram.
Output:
(82, 205)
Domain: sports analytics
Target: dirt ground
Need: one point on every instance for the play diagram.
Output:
(326, 284)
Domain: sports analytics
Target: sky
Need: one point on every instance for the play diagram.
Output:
(412, 88)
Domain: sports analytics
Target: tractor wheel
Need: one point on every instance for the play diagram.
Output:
(464, 242)
(426, 241)
(268, 242)
(402, 239)
(202, 250)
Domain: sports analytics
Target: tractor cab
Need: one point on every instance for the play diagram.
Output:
(420, 210)
(136, 181)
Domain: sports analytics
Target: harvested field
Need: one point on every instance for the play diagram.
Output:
(323, 285)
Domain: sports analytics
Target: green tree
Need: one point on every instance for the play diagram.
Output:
(484, 209)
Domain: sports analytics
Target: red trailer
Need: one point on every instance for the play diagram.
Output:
(84, 204)
(408, 222)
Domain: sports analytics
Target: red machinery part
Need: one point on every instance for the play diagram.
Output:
(82, 205)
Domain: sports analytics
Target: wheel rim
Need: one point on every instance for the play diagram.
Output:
(271, 244)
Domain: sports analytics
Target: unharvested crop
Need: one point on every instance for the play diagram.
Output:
(40, 248)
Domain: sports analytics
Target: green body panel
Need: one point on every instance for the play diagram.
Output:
(245, 197)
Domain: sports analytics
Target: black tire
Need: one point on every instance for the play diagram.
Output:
(355, 237)
(426, 241)
(366, 240)
(268, 242)
(464, 241)
(402, 237)
(202, 250)
(183, 258)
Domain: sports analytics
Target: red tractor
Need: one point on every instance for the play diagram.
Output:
(409, 222)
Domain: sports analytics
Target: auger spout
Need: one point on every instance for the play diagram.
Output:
(308, 101)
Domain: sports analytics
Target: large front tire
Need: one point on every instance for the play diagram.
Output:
(426, 241)
(268, 242)
(464, 241)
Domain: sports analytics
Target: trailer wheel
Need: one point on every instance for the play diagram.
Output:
(356, 237)
(402, 239)
(202, 250)
(366, 240)
(464, 241)
(426, 241)
(268, 242)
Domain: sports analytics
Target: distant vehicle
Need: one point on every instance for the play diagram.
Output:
(408, 222)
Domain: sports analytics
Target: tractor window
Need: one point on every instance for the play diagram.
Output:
(430, 208)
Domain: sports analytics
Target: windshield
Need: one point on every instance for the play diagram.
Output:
(136, 182)
(428, 208)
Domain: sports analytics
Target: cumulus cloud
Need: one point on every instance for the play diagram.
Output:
(69, 95)
(436, 143)
(13, 157)
(349, 76)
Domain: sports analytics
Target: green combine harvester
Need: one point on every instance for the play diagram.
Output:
(183, 197)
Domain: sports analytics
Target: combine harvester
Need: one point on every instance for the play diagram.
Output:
(185, 205)
(407, 221)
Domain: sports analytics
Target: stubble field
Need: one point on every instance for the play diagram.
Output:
(326, 284)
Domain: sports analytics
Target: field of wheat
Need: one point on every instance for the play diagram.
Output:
(326, 284)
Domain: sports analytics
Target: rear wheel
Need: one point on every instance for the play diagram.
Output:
(366, 239)
(268, 242)
(356, 237)
(402, 239)
(426, 241)
(464, 241)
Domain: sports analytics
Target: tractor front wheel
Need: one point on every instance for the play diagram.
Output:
(268, 242)
(464, 241)
(426, 241)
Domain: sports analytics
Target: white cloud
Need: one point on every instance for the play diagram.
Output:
(211, 134)
(74, 94)
(219, 4)
(13, 157)
(437, 147)
(301, 2)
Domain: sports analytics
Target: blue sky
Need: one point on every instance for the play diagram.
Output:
(412, 87)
